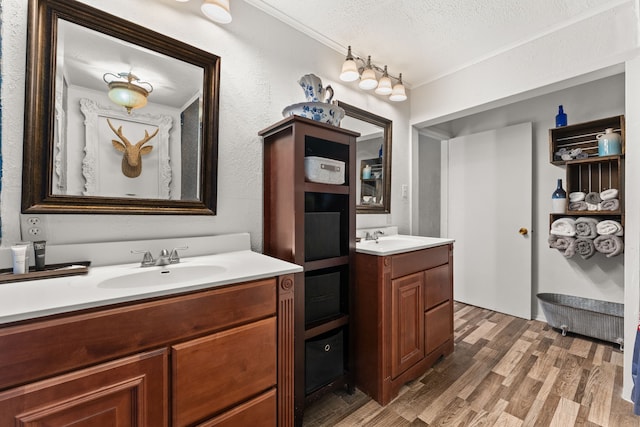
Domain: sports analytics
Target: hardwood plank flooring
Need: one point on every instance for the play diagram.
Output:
(504, 371)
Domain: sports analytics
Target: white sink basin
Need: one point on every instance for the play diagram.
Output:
(174, 275)
(398, 243)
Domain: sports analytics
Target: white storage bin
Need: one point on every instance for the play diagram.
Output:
(323, 170)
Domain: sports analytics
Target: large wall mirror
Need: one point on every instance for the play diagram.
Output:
(118, 118)
(373, 159)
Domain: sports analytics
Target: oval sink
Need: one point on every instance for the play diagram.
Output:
(167, 275)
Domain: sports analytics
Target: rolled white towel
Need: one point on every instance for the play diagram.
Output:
(592, 207)
(609, 194)
(577, 196)
(564, 227)
(609, 227)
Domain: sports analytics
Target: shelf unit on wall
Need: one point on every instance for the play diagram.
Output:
(313, 224)
(594, 173)
(371, 187)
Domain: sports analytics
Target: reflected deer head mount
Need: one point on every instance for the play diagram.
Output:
(132, 153)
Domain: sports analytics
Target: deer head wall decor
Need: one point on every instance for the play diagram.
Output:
(132, 153)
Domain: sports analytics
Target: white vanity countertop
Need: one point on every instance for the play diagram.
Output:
(399, 243)
(37, 298)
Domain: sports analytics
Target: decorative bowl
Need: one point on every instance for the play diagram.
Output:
(318, 111)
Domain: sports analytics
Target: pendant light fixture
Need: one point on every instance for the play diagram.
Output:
(398, 93)
(217, 10)
(369, 79)
(127, 90)
(384, 85)
(349, 69)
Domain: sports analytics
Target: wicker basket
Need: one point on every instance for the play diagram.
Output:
(593, 318)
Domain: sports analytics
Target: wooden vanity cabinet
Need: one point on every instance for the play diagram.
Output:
(217, 357)
(403, 317)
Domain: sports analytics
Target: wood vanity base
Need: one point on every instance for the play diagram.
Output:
(403, 317)
(216, 357)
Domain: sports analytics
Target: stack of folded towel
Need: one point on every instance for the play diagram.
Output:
(586, 236)
(562, 237)
(609, 200)
(576, 201)
(606, 200)
(609, 240)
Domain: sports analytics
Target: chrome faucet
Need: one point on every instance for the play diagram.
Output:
(373, 236)
(165, 258)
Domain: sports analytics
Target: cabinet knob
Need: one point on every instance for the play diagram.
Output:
(523, 231)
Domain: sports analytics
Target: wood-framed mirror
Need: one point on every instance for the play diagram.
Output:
(76, 133)
(373, 159)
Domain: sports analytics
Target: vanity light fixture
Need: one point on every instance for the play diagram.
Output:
(127, 90)
(368, 78)
(217, 10)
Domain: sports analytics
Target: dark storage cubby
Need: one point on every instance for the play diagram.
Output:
(313, 224)
(324, 359)
(325, 294)
(321, 235)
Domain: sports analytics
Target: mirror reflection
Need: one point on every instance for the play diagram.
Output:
(118, 118)
(123, 115)
(373, 158)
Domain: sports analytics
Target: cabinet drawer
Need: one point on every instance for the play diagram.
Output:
(412, 262)
(437, 286)
(438, 326)
(213, 373)
(44, 348)
(258, 412)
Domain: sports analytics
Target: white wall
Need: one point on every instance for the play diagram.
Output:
(262, 59)
(599, 277)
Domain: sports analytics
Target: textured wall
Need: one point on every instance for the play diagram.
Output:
(262, 59)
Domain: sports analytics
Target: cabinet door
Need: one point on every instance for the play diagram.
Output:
(437, 286)
(407, 322)
(123, 393)
(216, 372)
(438, 326)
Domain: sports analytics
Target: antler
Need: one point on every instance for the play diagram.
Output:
(146, 138)
(120, 135)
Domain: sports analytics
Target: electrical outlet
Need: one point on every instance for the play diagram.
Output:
(405, 191)
(32, 228)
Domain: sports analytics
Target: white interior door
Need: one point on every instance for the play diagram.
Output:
(489, 201)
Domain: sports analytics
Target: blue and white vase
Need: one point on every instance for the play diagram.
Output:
(559, 199)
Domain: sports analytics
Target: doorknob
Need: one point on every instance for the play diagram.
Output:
(523, 231)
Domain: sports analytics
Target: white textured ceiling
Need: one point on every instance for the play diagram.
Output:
(428, 39)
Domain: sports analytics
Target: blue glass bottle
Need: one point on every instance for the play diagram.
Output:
(561, 117)
(559, 199)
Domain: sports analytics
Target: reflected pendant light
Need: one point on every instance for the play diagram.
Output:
(127, 90)
(217, 10)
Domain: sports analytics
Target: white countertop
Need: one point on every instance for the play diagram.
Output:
(399, 243)
(37, 298)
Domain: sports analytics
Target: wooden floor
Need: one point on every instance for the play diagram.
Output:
(504, 371)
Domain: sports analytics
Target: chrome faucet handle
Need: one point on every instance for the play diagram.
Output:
(147, 258)
(174, 258)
